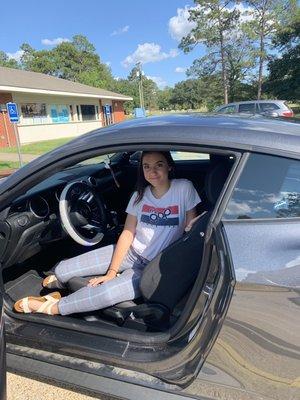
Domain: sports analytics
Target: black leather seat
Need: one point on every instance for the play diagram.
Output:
(214, 181)
(165, 280)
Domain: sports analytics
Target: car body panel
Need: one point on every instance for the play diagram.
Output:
(251, 350)
(2, 354)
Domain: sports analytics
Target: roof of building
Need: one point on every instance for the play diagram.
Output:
(17, 80)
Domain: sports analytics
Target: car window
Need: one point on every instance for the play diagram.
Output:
(247, 108)
(227, 110)
(95, 160)
(269, 187)
(268, 106)
(188, 156)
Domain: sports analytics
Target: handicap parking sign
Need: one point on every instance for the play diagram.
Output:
(12, 111)
(107, 109)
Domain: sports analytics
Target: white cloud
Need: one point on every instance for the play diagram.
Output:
(148, 52)
(180, 26)
(53, 42)
(108, 63)
(120, 31)
(246, 12)
(161, 83)
(180, 69)
(16, 56)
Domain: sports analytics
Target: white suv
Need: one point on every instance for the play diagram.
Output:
(272, 108)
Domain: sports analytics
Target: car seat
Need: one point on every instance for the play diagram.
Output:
(165, 280)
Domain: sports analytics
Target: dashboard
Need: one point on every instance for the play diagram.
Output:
(33, 220)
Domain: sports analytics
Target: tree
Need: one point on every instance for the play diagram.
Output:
(150, 89)
(5, 61)
(238, 62)
(76, 61)
(164, 98)
(266, 18)
(284, 77)
(214, 23)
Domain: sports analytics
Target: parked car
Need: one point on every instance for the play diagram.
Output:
(271, 108)
(221, 317)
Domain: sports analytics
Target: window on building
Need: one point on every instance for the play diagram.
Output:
(88, 112)
(59, 113)
(269, 187)
(34, 113)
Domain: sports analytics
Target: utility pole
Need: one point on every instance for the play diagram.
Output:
(140, 80)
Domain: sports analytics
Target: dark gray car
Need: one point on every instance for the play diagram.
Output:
(219, 313)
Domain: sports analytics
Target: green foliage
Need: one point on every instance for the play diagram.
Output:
(5, 61)
(164, 99)
(284, 77)
(266, 19)
(214, 27)
(76, 61)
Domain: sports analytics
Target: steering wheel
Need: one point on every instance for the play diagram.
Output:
(82, 213)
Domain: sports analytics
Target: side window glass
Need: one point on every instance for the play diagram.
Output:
(247, 108)
(188, 156)
(227, 110)
(268, 106)
(269, 187)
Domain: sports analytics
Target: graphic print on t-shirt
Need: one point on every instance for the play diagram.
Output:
(158, 216)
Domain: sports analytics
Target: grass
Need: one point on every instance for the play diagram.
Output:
(38, 147)
(7, 166)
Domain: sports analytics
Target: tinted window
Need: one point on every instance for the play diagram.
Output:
(269, 187)
(247, 108)
(88, 112)
(268, 106)
(227, 110)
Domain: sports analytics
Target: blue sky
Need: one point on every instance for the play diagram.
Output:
(122, 32)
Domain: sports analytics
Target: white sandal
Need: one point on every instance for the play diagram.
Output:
(22, 305)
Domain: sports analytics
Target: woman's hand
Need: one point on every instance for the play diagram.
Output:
(190, 218)
(191, 223)
(102, 279)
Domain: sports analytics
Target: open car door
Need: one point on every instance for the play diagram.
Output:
(2, 354)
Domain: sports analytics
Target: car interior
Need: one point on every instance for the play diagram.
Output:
(34, 238)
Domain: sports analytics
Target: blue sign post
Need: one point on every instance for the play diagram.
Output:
(13, 114)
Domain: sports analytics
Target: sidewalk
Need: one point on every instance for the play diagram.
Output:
(15, 157)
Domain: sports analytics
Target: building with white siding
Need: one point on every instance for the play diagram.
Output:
(52, 108)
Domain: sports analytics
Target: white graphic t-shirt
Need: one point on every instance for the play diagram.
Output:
(161, 221)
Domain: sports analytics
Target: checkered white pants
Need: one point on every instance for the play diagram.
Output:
(122, 288)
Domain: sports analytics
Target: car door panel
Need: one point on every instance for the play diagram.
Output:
(2, 354)
(259, 344)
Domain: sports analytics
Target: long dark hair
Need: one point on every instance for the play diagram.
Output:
(141, 182)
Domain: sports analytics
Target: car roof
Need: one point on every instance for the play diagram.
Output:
(252, 101)
(234, 132)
